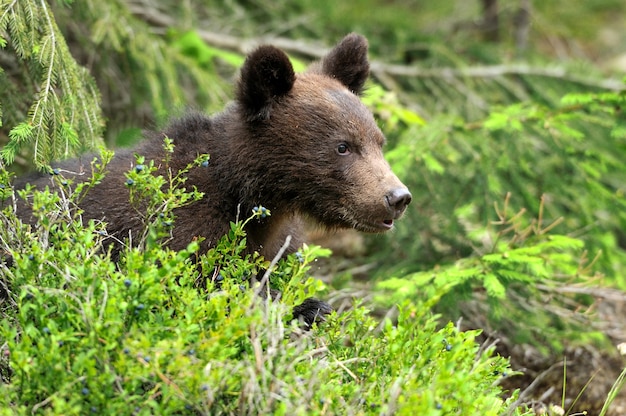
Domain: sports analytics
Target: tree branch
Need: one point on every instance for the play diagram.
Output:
(156, 19)
(495, 71)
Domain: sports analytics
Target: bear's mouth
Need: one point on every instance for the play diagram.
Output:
(376, 227)
(387, 224)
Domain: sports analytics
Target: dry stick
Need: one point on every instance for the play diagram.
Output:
(533, 386)
(275, 260)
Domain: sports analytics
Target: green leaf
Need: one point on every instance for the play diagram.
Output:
(567, 131)
(457, 275)
(22, 132)
(514, 275)
(496, 121)
(432, 164)
(577, 98)
(494, 287)
(70, 135)
(410, 117)
(619, 131)
(191, 44)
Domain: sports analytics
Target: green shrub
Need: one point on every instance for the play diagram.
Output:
(521, 279)
(569, 153)
(558, 166)
(158, 333)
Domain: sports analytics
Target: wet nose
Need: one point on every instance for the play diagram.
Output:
(398, 199)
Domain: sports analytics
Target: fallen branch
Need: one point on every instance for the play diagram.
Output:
(597, 292)
(161, 21)
(495, 71)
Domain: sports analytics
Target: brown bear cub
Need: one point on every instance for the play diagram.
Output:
(303, 146)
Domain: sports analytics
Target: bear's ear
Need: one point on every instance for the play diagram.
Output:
(347, 62)
(266, 75)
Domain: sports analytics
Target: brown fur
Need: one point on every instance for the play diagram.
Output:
(275, 146)
(281, 145)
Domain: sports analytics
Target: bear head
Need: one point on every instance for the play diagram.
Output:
(312, 146)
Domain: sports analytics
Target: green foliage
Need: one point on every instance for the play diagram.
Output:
(461, 135)
(156, 334)
(520, 263)
(389, 109)
(154, 197)
(191, 45)
(64, 98)
(131, 66)
(569, 155)
(168, 72)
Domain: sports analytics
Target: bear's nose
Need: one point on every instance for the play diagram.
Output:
(398, 199)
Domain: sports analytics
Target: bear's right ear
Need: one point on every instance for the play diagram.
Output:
(347, 62)
(266, 76)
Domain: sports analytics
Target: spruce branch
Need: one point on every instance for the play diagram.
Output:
(65, 102)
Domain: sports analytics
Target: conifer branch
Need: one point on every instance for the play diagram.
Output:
(6, 11)
(65, 103)
(37, 113)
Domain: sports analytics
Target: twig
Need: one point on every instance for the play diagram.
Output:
(277, 257)
(533, 386)
(347, 370)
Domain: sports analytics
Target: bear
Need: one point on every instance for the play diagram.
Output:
(304, 146)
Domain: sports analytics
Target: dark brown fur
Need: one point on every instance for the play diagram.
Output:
(280, 145)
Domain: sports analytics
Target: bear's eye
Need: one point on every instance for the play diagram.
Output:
(343, 149)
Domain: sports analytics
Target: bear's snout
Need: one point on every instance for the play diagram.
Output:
(397, 201)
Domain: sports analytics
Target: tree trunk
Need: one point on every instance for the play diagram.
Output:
(490, 24)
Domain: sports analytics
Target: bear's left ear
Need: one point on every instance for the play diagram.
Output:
(266, 75)
(347, 62)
